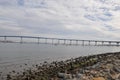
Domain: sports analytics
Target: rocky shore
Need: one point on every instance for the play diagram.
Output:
(93, 67)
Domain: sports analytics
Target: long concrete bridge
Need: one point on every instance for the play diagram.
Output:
(45, 40)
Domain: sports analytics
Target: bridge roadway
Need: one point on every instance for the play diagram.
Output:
(65, 41)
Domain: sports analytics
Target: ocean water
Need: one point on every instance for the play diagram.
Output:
(14, 56)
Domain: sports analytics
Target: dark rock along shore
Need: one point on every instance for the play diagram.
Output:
(93, 67)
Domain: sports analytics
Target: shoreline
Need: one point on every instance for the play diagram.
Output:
(81, 68)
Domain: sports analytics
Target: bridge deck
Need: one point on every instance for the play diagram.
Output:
(5, 39)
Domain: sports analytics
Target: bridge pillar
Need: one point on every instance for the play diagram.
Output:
(52, 41)
(95, 43)
(117, 43)
(38, 40)
(64, 41)
(76, 42)
(102, 43)
(70, 42)
(58, 41)
(89, 43)
(5, 38)
(45, 40)
(21, 39)
(109, 43)
(83, 42)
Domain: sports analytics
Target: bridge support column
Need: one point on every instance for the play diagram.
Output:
(52, 41)
(102, 43)
(45, 40)
(38, 40)
(58, 41)
(64, 41)
(109, 43)
(95, 43)
(70, 42)
(117, 43)
(83, 42)
(21, 39)
(89, 43)
(76, 42)
(5, 38)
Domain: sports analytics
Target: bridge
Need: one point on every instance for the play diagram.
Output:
(56, 41)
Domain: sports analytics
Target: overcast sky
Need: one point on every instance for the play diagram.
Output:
(81, 19)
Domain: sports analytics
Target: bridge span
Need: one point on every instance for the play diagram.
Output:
(46, 40)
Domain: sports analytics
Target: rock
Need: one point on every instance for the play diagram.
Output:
(61, 75)
(79, 75)
(116, 69)
(99, 78)
(116, 76)
(85, 77)
(96, 65)
(64, 76)
(93, 73)
(109, 66)
(119, 77)
(112, 71)
(106, 70)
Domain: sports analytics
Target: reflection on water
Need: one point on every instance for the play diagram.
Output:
(13, 55)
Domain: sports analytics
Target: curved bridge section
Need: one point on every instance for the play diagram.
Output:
(56, 41)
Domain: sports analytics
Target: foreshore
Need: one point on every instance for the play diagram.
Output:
(93, 67)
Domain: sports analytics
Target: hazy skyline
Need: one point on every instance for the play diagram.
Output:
(86, 19)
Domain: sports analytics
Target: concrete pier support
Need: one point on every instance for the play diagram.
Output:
(89, 43)
(58, 41)
(5, 38)
(45, 40)
(52, 41)
(21, 39)
(109, 43)
(117, 43)
(102, 43)
(83, 43)
(64, 41)
(76, 42)
(70, 42)
(95, 43)
(38, 40)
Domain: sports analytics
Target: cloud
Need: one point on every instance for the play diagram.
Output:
(90, 17)
(61, 18)
(20, 2)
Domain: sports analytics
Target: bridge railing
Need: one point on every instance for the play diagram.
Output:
(38, 40)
